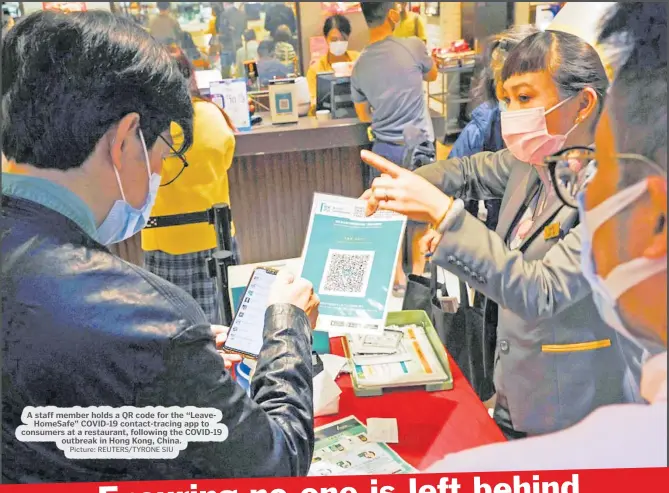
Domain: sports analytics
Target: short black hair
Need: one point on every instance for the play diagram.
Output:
(639, 92)
(573, 64)
(68, 78)
(162, 6)
(266, 48)
(376, 12)
(497, 49)
(249, 35)
(282, 34)
(338, 22)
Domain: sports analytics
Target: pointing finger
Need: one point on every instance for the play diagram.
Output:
(381, 164)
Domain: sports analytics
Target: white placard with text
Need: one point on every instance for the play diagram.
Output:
(231, 95)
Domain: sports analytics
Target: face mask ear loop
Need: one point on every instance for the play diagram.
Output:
(558, 105)
(613, 205)
(118, 181)
(146, 154)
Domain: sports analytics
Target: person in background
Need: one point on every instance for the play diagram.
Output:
(7, 21)
(623, 211)
(411, 23)
(284, 51)
(179, 254)
(279, 14)
(268, 66)
(247, 52)
(103, 332)
(484, 131)
(230, 24)
(387, 90)
(164, 27)
(337, 31)
(556, 360)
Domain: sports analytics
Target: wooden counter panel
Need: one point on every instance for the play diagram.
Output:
(271, 197)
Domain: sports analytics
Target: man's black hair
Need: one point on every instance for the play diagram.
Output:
(68, 78)
(376, 12)
(639, 93)
(572, 63)
(338, 22)
(163, 6)
(266, 48)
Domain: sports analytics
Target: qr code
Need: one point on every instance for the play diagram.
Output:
(347, 273)
(284, 105)
(359, 213)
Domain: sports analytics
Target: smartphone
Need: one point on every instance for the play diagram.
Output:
(246, 331)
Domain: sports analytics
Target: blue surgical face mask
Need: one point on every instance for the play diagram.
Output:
(621, 279)
(123, 220)
(502, 106)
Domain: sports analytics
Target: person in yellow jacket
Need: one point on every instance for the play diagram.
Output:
(337, 30)
(179, 253)
(411, 24)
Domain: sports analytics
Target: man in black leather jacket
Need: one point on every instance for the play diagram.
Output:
(87, 101)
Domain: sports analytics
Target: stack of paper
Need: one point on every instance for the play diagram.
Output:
(420, 366)
(388, 347)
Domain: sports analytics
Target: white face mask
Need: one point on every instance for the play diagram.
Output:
(621, 279)
(123, 220)
(338, 48)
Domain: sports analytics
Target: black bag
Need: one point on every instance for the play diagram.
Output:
(462, 333)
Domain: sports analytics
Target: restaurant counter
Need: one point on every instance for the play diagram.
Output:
(275, 173)
(278, 168)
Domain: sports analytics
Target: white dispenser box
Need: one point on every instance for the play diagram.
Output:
(283, 103)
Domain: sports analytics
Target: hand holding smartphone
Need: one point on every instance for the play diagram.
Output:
(297, 292)
(246, 331)
(267, 287)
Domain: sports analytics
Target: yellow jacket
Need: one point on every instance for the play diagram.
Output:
(200, 186)
(412, 25)
(323, 65)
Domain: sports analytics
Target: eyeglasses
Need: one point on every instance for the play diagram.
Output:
(176, 154)
(573, 168)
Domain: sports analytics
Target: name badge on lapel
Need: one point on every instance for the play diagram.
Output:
(552, 231)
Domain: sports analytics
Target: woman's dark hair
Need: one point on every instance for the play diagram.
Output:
(283, 34)
(338, 22)
(573, 64)
(497, 49)
(249, 35)
(188, 71)
(186, 68)
(68, 78)
(163, 6)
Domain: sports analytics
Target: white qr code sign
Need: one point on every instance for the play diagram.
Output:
(346, 273)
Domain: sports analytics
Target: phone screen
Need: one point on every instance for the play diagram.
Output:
(246, 332)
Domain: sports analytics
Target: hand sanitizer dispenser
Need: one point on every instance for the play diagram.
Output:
(283, 103)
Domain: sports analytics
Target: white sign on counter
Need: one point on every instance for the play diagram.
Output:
(231, 95)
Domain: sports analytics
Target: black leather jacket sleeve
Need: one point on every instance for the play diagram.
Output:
(270, 434)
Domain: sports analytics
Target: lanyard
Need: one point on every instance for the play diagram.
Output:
(521, 211)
